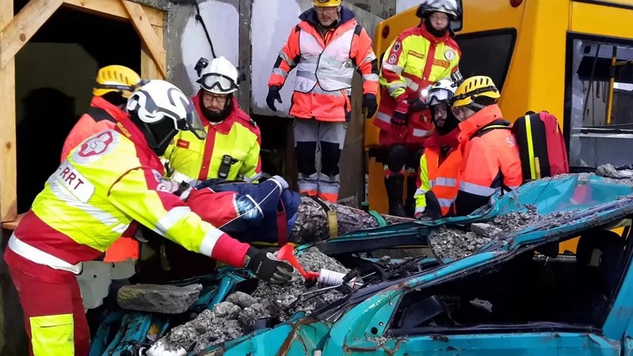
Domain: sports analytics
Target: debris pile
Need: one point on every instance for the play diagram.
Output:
(154, 298)
(237, 315)
(455, 243)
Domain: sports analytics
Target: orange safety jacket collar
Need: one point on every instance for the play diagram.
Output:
(482, 118)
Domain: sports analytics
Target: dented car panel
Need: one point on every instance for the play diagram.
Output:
(363, 323)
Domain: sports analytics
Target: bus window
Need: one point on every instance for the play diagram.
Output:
(487, 53)
(601, 110)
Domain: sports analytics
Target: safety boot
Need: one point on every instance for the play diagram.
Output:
(409, 204)
(395, 186)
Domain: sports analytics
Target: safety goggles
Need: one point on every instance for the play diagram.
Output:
(218, 81)
(439, 97)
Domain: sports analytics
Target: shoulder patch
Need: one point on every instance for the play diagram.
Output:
(95, 147)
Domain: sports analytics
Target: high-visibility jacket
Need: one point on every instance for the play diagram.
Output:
(100, 116)
(490, 159)
(413, 61)
(437, 179)
(237, 136)
(325, 66)
(104, 184)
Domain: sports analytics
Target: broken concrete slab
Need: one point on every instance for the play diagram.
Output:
(154, 298)
(239, 312)
(454, 243)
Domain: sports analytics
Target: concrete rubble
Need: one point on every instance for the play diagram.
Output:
(154, 298)
(454, 243)
(236, 315)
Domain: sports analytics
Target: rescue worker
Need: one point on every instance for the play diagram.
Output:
(112, 178)
(231, 149)
(440, 162)
(490, 156)
(113, 86)
(417, 58)
(324, 47)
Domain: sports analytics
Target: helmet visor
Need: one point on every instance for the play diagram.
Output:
(194, 124)
(218, 83)
(440, 96)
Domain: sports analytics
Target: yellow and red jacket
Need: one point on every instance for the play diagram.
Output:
(101, 116)
(238, 136)
(413, 61)
(490, 159)
(104, 184)
(325, 67)
(437, 179)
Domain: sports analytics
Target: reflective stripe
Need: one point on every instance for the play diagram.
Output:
(383, 117)
(280, 71)
(445, 203)
(372, 77)
(419, 191)
(209, 241)
(40, 257)
(393, 87)
(288, 60)
(325, 66)
(419, 209)
(180, 177)
(446, 182)
(476, 189)
(393, 68)
(170, 218)
(369, 58)
(60, 191)
(411, 84)
(420, 133)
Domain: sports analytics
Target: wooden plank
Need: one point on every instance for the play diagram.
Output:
(148, 67)
(113, 9)
(22, 27)
(13, 223)
(152, 42)
(8, 187)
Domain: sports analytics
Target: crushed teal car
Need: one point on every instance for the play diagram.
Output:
(503, 299)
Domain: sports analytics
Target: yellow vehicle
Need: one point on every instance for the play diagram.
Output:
(569, 57)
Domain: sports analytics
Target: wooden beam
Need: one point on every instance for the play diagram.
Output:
(149, 70)
(113, 9)
(23, 26)
(12, 224)
(8, 187)
(150, 40)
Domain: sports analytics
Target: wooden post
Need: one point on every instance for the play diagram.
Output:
(8, 187)
(152, 39)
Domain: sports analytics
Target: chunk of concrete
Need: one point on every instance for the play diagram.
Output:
(154, 298)
(485, 230)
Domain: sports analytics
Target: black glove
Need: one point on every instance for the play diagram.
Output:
(267, 267)
(417, 105)
(399, 119)
(273, 94)
(370, 105)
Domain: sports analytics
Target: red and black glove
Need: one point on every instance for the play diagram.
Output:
(267, 267)
(400, 117)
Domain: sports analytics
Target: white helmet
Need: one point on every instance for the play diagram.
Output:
(220, 77)
(442, 92)
(158, 100)
(448, 7)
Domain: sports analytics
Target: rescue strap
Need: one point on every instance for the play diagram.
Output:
(331, 216)
(379, 219)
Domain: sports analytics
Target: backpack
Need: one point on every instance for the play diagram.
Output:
(541, 145)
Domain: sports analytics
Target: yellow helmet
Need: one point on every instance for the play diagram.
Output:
(115, 78)
(474, 87)
(326, 3)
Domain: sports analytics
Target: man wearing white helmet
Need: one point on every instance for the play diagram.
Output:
(439, 165)
(109, 180)
(417, 58)
(231, 150)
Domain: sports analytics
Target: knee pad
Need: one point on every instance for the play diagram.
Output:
(396, 157)
(305, 152)
(330, 156)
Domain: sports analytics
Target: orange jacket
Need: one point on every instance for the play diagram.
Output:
(415, 60)
(437, 178)
(490, 159)
(101, 116)
(325, 67)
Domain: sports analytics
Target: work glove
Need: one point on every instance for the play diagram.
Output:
(273, 94)
(370, 105)
(267, 267)
(417, 105)
(399, 117)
